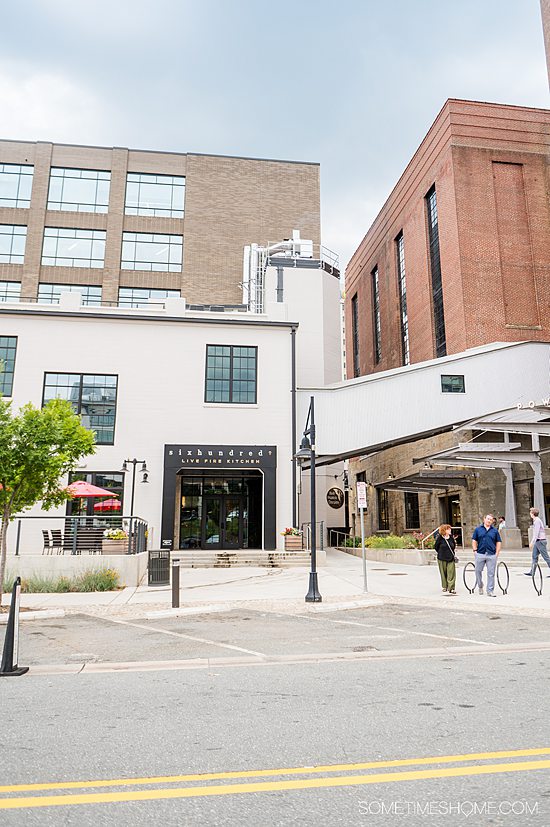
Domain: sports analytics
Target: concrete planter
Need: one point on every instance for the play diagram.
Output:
(293, 542)
(404, 556)
(114, 546)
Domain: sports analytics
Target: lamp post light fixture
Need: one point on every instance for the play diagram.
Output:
(307, 451)
(143, 471)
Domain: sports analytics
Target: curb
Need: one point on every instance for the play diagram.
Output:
(39, 614)
(194, 610)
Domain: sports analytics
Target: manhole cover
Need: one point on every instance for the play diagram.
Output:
(83, 656)
(397, 574)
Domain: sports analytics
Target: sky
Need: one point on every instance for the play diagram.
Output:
(351, 84)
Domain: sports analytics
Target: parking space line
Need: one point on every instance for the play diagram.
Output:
(186, 637)
(410, 631)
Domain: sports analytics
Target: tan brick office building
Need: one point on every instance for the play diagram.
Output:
(125, 224)
(458, 257)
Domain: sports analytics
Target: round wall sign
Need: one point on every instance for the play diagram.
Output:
(335, 497)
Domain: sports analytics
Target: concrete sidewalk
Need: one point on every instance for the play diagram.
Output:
(340, 583)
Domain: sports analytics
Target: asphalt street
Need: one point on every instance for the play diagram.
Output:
(312, 741)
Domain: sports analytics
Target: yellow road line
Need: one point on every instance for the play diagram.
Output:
(322, 768)
(266, 786)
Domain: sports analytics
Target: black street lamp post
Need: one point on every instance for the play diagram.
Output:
(145, 477)
(307, 451)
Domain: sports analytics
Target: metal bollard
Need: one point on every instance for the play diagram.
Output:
(175, 584)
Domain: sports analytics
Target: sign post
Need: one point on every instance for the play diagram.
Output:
(362, 503)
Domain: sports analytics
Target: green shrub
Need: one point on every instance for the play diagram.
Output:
(93, 580)
(98, 580)
(352, 542)
(387, 541)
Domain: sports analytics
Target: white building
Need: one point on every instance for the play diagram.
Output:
(204, 396)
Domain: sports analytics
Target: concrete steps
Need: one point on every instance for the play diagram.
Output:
(198, 559)
(514, 558)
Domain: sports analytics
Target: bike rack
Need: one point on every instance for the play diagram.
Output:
(537, 576)
(500, 567)
(469, 566)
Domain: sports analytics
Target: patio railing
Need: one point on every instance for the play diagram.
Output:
(76, 535)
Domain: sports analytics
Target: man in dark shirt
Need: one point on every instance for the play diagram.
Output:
(486, 543)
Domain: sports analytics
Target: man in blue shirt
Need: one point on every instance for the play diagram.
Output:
(486, 543)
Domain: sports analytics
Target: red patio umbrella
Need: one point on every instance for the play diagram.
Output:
(80, 488)
(107, 505)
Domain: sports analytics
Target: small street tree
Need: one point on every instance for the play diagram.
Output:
(37, 447)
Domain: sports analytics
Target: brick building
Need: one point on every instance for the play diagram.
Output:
(458, 257)
(120, 223)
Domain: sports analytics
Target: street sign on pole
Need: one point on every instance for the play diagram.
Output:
(362, 504)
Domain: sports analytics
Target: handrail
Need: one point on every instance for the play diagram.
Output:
(453, 527)
(306, 532)
(343, 534)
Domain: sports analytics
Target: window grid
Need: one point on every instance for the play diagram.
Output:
(154, 252)
(10, 291)
(376, 316)
(412, 510)
(92, 396)
(140, 296)
(51, 293)
(383, 512)
(402, 285)
(8, 348)
(435, 267)
(355, 334)
(453, 384)
(13, 238)
(231, 374)
(15, 185)
(112, 481)
(79, 190)
(64, 247)
(158, 195)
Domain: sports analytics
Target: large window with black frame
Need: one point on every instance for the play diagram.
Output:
(8, 349)
(231, 373)
(435, 271)
(402, 285)
(93, 396)
(383, 510)
(376, 320)
(412, 510)
(104, 511)
(355, 334)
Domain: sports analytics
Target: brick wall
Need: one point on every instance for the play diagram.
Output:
(490, 166)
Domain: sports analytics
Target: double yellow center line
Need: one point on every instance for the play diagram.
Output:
(349, 777)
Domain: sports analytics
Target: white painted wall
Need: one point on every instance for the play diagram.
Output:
(391, 405)
(161, 370)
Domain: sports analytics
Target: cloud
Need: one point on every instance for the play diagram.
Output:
(47, 106)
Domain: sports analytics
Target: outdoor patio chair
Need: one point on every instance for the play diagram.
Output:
(57, 541)
(47, 547)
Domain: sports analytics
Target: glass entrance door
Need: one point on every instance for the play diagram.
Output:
(452, 515)
(222, 524)
(211, 522)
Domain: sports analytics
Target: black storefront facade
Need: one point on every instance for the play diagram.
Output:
(219, 497)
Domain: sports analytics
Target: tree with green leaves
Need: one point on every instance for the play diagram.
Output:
(37, 447)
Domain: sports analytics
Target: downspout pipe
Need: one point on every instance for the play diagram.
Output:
(293, 426)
